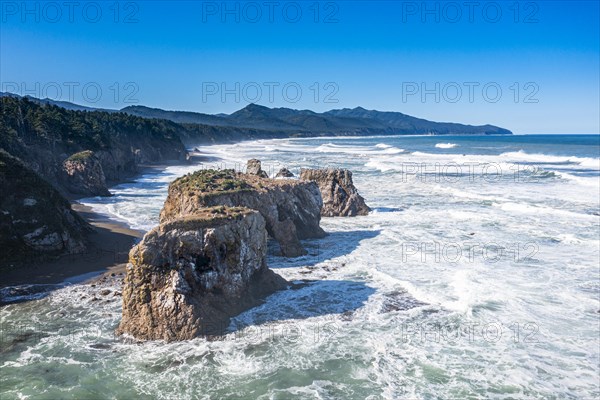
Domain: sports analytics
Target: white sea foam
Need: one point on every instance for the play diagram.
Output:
(446, 145)
(587, 162)
(590, 181)
(358, 150)
(336, 330)
(536, 209)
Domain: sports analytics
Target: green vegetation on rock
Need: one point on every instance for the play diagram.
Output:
(81, 156)
(211, 180)
(209, 216)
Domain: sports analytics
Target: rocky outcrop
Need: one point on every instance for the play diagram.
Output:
(291, 208)
(340, 197)
(254, 167)
(187, 277)
(35, 220)
(284, 173)
(84, 175)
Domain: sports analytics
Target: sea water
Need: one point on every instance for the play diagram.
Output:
(476, 275)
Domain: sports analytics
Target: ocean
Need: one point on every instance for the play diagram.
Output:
(476, 275)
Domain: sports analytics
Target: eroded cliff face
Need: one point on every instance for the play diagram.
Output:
(340, 197)
(84, 175)
(292, 209)
(45, 136)
(35, 220)
(187, 277)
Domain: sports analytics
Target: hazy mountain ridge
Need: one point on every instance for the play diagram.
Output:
(356, 121)
(338, 122)
(181, 117)
(64, 104)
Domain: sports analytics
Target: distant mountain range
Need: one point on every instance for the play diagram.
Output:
(356, 121)
(64, 104)
(290, 122)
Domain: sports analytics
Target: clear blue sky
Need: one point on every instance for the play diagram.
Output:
(378, 55)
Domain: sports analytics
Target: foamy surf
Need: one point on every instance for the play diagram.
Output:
(358, 150)
(446, 145)
(436, 292)
(587, 162)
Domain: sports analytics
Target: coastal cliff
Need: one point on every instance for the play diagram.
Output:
(292, 209)
(48, 138)
(188, 276)
(84, 174)
(35, 219)
(79, 151)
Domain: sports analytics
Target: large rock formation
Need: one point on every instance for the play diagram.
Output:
(254, 167)
(340, 197)
(35, 220)
(84, 174)
(291, 208)
(187, 277)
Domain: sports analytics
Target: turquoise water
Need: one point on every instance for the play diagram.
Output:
(475, 276)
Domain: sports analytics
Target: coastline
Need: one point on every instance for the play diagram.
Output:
(107, 252)
(353, 281)
(108, 244)
(108, 248)
(113, 238)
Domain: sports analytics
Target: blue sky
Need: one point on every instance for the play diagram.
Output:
(529, 66)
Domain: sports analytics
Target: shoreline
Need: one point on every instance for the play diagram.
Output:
(108, 244)
(107, 253)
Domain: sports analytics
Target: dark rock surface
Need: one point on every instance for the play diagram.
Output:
(35, 220)
(340, 197)
(84, 174)
(284, 173)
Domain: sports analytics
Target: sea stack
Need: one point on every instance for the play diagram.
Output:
(291, 209)
(340, 197)
(188, 276)
(254, 167)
